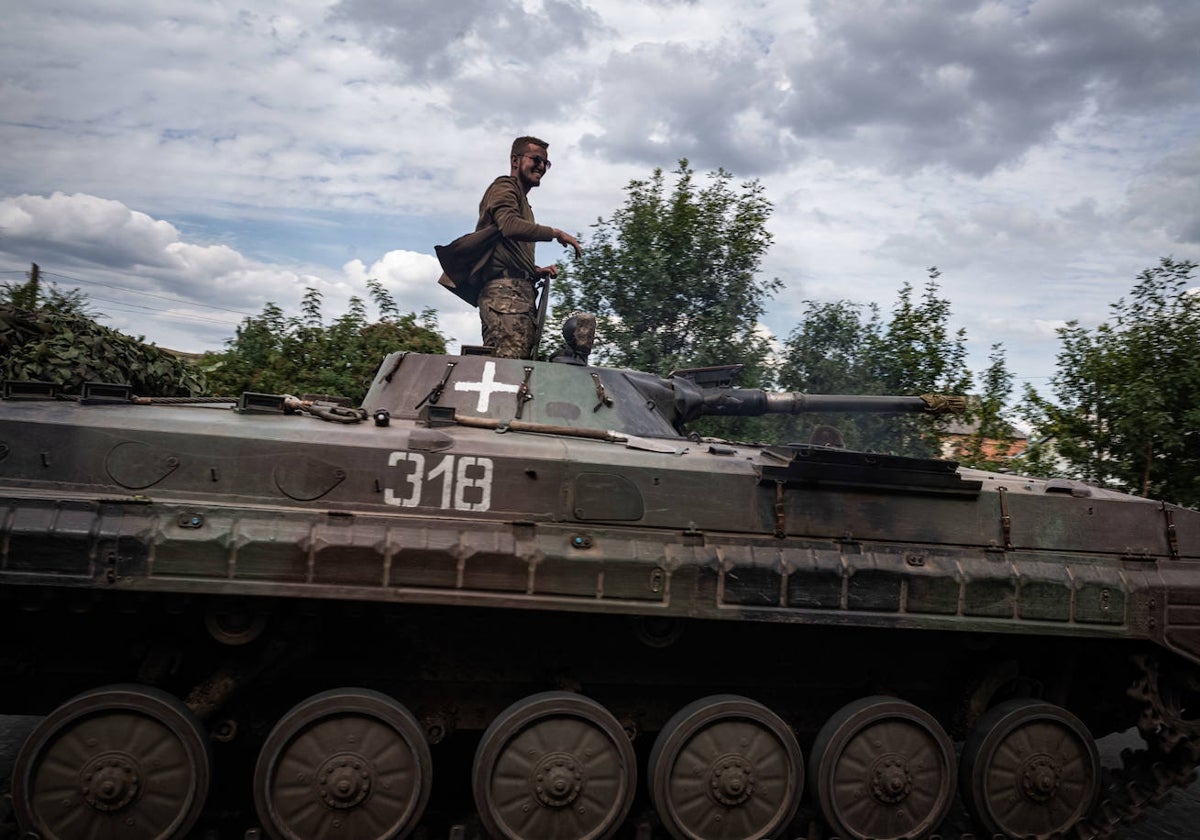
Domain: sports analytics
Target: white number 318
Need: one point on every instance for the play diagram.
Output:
(465, 485)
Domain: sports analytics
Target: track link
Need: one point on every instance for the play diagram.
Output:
(1148, 777)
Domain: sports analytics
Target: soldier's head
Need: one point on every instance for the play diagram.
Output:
(529, 161)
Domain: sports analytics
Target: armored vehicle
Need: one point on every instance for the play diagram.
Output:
(518, 600)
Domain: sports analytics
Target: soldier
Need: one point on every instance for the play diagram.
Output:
(507, 276)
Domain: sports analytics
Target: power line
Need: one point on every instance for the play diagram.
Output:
(144, 294)
(135, 308)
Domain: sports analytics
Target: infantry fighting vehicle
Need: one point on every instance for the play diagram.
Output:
(518, 600)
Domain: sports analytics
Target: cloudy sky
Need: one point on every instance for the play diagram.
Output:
(184, 162)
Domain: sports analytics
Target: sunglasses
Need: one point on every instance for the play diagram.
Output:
(538, 160)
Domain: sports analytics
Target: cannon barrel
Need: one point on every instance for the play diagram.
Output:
(754, 401)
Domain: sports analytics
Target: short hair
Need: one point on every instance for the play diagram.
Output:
(518, 146)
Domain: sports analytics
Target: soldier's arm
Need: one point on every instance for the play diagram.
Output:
(505, 210)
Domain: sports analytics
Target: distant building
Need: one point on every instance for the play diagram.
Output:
(961, 435)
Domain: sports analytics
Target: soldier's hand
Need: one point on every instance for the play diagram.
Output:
(564, 239)
(550, 271)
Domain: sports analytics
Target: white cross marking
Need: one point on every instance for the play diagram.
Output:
(486, 387)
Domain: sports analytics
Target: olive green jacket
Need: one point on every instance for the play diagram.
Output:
(502, 244)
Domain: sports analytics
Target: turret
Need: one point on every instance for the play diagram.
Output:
(570, 398)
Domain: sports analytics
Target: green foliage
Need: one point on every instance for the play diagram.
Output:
(845, 348)
(673, 279)
(829, 352)
(918, 349)
(989, 445)
(49, 335)
(32, 296)
(69, 348)
(919, 354)
(26, 295)
(1126, 403)
(275, 354)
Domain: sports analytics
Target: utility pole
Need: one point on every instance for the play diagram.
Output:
(26, 296)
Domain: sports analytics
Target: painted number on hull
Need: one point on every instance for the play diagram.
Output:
(465, 482)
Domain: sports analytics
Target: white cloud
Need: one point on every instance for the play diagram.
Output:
(85, 227)
(138, 267)
(1166, 198)
(404, 274)
(1040, 153)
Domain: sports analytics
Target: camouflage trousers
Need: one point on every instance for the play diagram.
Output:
(508, 314)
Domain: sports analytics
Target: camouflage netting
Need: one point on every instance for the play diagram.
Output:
(68, 350)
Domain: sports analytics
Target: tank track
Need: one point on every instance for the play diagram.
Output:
(1146, 779)
(1148, 776)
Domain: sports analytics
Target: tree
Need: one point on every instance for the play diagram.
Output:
(1126, 404)
(302, 354)
(918, 350)
(829, 352)
(673, 278)
(843, 347)
(989, 444)
(917, 354)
